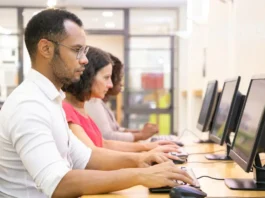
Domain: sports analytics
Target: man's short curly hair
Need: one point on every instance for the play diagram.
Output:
(48, 24)
(97, 59)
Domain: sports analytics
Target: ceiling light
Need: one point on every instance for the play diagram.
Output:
(107, 14)
(110, 25)
(51, 3)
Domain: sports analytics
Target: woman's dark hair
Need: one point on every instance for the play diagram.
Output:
(116, 70)
(97, 59)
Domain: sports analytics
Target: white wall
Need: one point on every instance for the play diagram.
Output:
(182, 73)
(249, 39)
(191, 61)
(218, 64)
(234, 39)
(241, 50)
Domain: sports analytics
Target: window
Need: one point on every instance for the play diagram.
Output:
(153, 21)
(100, 19)
(8, 21)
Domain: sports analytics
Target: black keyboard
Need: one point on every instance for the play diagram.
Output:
(166, 189)
(172, 138)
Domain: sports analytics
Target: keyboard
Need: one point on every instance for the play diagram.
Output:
(172, 138)
(166, 189)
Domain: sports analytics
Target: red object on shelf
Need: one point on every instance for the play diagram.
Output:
(152, 80)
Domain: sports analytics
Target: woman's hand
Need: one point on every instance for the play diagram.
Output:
(153, 145)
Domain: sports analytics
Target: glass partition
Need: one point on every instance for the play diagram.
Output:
(152, 22)
(137, 121)
(100, 19)
(149, 80)
(8, 21)
(8, 64)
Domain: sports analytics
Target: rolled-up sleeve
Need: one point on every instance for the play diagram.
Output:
(33, 140)
(80, 153)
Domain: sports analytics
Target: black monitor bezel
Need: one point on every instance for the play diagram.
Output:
(247, 165)
(213, 137)
(209, 115)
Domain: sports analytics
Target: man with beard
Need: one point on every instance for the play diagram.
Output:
(39, 156)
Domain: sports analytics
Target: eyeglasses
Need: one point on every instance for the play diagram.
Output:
(79, 52)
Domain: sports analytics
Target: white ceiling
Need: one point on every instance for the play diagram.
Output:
(97, 3)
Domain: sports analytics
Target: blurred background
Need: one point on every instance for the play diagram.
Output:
(170, 48)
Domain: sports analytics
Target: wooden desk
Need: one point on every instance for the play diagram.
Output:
(200, 166)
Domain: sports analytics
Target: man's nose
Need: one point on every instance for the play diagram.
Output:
(83, 60)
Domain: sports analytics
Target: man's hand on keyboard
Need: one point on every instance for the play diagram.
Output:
(164, 174)
(149, 158)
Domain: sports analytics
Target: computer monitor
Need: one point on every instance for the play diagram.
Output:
(226, 116)
(250, 138)
(208, 106)
(207, 110)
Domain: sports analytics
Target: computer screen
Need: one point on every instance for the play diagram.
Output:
(224, 112)
(251, 120)
(208, 106)
(250, 138)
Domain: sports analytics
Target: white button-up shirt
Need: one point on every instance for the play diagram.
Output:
(37, 147)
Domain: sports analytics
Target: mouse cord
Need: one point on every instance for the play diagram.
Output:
(188, 130)
(210, 177)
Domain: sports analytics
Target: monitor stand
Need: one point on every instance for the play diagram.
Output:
(257, 183)
(244, 184)
(220, 156)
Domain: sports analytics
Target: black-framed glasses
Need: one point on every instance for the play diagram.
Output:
(79, 52)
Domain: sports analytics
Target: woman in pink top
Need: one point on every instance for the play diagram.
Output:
(91, 130)
(104, 118)
(94, 83)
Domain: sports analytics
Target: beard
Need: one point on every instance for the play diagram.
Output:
(61, 73)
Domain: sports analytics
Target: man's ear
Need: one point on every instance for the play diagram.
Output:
(46, 48)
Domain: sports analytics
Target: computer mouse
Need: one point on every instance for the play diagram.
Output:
(186, 191)
(178, 143)
(182, 156)
(179, 161)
